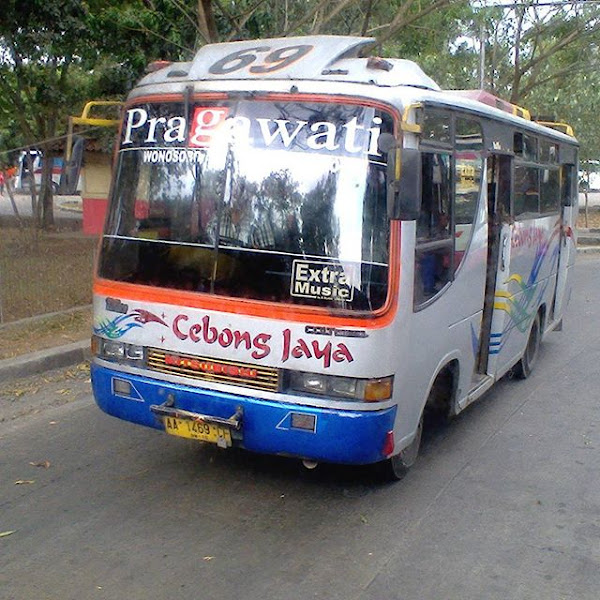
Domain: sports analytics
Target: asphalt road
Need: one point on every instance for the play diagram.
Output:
(504, 503)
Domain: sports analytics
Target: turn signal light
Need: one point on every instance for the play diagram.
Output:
(377, 390)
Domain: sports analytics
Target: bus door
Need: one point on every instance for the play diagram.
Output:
(566, 255)
(495, 318)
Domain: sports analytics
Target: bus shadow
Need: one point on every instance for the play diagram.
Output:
(440, 435)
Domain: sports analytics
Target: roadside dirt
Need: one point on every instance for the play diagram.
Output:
(41, 333)
(44, 272)
(593, 219)
(31, 395)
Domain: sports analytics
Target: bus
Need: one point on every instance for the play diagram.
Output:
(308, 249)
(32, 159)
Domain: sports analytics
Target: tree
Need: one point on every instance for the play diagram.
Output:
(55, 55)
(38, 49)
(533, 45)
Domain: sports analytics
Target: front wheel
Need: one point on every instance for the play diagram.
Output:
(524, 367)
(396, 467)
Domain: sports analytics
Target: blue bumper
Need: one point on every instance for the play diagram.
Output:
(340, 436)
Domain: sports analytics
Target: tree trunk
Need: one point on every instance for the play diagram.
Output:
(8, 186)
(586, 195)
(206, 22)
(30, 182)
(46, 193)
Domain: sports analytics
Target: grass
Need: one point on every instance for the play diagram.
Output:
(43, 272)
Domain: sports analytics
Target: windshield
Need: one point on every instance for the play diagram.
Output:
(273, 201)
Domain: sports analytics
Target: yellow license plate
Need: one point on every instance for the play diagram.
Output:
(198, 430)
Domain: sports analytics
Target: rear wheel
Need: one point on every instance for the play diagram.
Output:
(396, 467)
(524, 367)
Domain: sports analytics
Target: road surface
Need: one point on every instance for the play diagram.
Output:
(65, 207)
(503, 503)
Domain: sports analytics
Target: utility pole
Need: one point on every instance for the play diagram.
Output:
(482, 56)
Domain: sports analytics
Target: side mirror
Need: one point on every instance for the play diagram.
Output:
(404, 183)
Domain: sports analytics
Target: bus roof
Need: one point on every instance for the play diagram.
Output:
(256, 64)
(317, 58)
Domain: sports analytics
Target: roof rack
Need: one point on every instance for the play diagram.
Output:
(562, 127)
(491, 100)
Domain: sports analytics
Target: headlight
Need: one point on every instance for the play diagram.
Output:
(348, 388)
(118, 351)
(113, 350)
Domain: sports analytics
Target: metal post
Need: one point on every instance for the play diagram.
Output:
(482, 57)
(1, 311)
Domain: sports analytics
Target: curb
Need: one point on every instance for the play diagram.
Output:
(44, 360)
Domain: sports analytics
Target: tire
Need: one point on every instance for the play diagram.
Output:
(396, 467)
(524, 367)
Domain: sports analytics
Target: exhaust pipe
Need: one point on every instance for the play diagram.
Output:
(310, 464)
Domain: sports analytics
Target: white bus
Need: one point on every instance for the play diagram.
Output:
(34, 162)
(306, 250)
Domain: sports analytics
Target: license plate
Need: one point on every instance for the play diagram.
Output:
(198, 430)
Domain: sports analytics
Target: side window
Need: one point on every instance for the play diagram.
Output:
(549, 190)
(434, 248)
(527, 191)
(468, 168)
(436, 128)
(568, 193)
(537, 186)
(451, 177)
(526, 146)
(548, 152)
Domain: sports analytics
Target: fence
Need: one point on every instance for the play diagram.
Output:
(43, 272)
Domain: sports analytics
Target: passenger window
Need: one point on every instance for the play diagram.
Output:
(468, 169)
(550, 191)
(568, 194)
(436, 128)
(527, 192)
(526, 146)
(434, 248)
(548, 152)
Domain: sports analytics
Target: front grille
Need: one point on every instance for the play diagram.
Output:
(216, 370)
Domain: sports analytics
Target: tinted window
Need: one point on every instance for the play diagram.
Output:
(568, 192)
(526, 146)
(527, 191)
(433, 259)
(548, 152)
(549, 190)
(437, 128)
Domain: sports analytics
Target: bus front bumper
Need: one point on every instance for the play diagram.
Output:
(258, 425)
